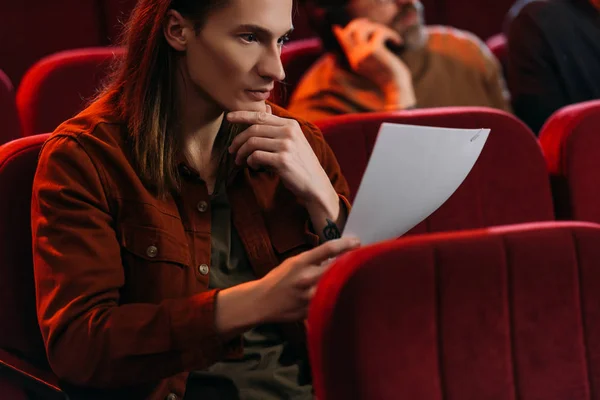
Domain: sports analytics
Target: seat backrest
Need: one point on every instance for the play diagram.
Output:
(116, 13)
(59, 86)
(11, 129)
(11, 391)
(508, 183)
(482, 19)
(20, 333)
(34, 29)
(498, 46)
(570, 140)
(301, 20)
(503, 313)
(296, 57)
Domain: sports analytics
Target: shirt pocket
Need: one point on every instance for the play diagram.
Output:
(289, 231)
(154, 245)
(156, 264)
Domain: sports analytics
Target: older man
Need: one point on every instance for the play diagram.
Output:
(381, 56)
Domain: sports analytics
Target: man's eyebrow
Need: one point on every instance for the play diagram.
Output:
(260, 30)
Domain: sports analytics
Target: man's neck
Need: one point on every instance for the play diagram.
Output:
(201, 120)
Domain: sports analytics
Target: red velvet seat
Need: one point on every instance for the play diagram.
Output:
(297, 57)
(23, 361)
(59, 86)
(9, 118)
(508, 184)
(501, 313)
(116, 13)
(34, 29)
(301, 21)
(484, 19)
(570, 140)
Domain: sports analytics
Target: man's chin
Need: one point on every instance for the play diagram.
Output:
(415, 37)
(257, 106)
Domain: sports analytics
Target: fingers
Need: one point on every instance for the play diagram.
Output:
(254, 117)
(338, 32)
(361, 31)
(264, 131)
(383, 35)
(257, 143)
(328, 250)
(311, 292)
(351, 35)
(261, 158)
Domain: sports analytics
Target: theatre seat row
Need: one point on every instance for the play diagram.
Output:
(502, 313)
(60, 85)
(34, 29)
(508, 185)
(69, 24)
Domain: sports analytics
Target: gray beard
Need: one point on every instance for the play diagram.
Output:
(415, 37)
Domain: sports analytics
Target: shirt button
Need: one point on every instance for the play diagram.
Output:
(151, 251)
(171, 396)
(202, 206)
(203, 269)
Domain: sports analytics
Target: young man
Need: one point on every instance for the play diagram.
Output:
(381, 56)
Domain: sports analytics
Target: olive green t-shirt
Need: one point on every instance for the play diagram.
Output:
(270, 367)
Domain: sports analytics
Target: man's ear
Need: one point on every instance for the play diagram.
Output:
(177, 30)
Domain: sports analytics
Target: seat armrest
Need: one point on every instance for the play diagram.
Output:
(30, 377)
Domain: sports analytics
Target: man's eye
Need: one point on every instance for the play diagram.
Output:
(248, 37)
(283, 40)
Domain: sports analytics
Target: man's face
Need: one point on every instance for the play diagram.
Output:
(403, 16)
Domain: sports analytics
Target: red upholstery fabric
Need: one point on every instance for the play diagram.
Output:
(33, 29)
(59, 86)
(508, 184)
(11, 129)
(301, 21)
(497, 45)
(21, 333)
(296, 57)
(116, 13)
(570, 141)
(484, 19)
(9, 390)
(503, 313)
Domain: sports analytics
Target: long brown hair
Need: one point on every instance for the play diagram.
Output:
(142, 88)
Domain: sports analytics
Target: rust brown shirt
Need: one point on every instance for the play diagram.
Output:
(122, 276)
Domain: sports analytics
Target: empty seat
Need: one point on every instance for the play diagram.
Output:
(116, 13)
(59, 86)
(34, 29)
(301, 21)
(296, 57)
(9, 118)
(570, 140)
(482, 19)
(502, 313)
(22, 355)
(508, 184)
